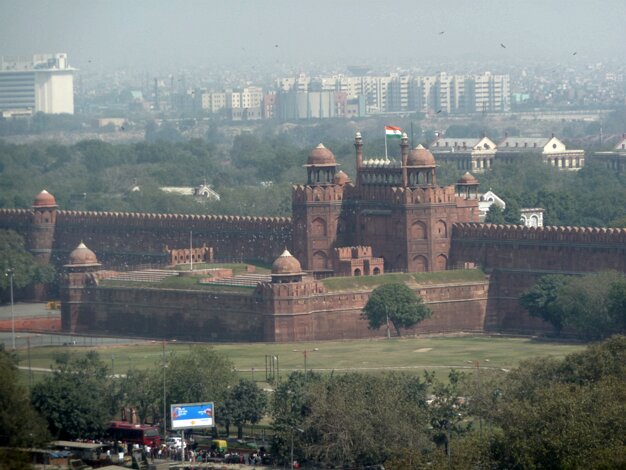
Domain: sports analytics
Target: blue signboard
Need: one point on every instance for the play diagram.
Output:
(192, 415)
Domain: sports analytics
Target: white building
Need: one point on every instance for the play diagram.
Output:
(44, 84)
(552, 150)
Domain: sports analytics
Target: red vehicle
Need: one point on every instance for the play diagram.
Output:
(142, 434)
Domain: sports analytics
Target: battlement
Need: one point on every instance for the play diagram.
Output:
(140, 218)
(12, 217)
(540, 234)
(353, 252)
(305, 193)
(430, 194)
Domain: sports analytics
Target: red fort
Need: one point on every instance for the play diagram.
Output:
(393, 217)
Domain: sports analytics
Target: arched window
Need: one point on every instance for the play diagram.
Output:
(441, 262)
(441, 229)
(320, 260)
(418, 231)
(318, 227)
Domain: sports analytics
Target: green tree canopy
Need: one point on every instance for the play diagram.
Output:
(78, 399)
(495, 215)
(591, 305)
(541, 300)
(200, 375)
(564, 414)
(245, 403)
(13, 255)
(396, 303)
(357, 420)
(20, 425)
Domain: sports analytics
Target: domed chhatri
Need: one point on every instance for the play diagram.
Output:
(467, 178)
(286, 265)
(82, 256)
(421, 156)
(45, 199)
(321, 156)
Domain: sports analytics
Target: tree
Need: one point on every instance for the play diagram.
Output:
(78, 398)
(511, 213)
(495, 215)
(542, 300)
(291, 403)
(200, 375)
(20, 426)
(143, 391)
(592, 304)
(26, 270)
(552, 413)
(396, 303)
(245, 403)
(357, 420)
(447, 410)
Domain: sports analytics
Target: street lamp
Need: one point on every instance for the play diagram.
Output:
(293, 428)
(305, 353)
(9, 272)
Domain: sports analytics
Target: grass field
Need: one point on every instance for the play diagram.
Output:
(414, 354)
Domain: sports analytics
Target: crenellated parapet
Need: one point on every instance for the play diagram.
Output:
(140, 219)
(353, 252)
(424, 195)
(15, 218)
(556, 234)
(306, 193)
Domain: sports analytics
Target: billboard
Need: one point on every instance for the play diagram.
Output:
(192, 415)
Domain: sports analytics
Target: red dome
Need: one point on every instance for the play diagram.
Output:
(341, 178)
(44, 199)
(420, 156)
(286, 264)
(321, 156)
(82, 255)
(467, 178)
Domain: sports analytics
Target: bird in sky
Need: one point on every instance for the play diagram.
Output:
(275, 45)
(502, 46)
(441, 32)
(574, 53)
(438, 111)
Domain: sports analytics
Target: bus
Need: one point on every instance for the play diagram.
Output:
(142, 434)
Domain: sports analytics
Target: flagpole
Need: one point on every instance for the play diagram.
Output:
(385, 130)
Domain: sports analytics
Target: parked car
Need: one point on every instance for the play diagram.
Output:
(175, 443)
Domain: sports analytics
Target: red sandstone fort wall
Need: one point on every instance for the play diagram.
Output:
(120, 238)
(154, 313)
(16, 219)
(456, 307)
(517, 256)
(204, 316)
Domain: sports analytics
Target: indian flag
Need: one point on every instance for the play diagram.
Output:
(393, 132)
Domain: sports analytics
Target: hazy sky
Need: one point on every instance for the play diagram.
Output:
(151, 33)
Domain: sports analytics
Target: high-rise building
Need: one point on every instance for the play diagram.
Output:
(44, 84)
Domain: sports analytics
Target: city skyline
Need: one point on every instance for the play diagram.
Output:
(279, 34)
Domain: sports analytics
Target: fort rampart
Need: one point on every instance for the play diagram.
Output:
(125, 238)
(259, 315)
(516, 256)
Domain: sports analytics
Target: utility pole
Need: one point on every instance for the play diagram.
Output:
(164, 410)
(9, 272)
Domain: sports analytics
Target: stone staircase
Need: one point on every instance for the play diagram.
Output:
(146, 275)
(244, 280)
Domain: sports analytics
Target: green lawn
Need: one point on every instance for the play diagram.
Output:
(371, 282)
(412, 354)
